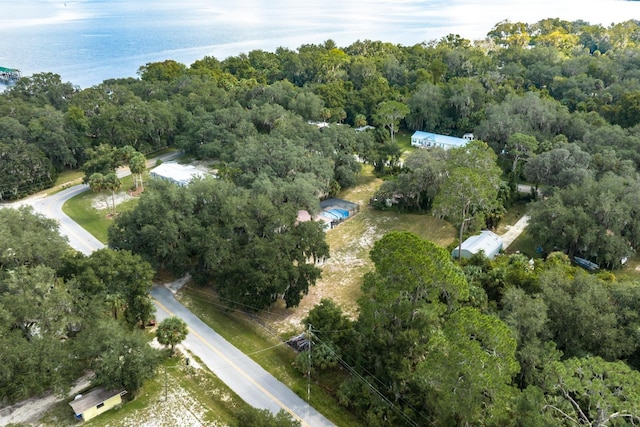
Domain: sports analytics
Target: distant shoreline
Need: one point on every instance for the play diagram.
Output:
(87, 42)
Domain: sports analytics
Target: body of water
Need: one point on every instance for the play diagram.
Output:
(88, 41)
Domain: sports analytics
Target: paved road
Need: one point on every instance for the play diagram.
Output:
(252, 383)
(51, 207)
(244, 376)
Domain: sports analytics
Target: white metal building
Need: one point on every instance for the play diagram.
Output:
(430, 140)
(487, 241)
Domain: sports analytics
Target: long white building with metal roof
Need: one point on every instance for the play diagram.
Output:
(431, 140)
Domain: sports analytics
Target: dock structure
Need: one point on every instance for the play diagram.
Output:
(9, 75)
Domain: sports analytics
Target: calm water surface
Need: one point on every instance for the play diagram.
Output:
(88, 41)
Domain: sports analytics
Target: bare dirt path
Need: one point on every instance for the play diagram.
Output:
(30, 410)
(514, 231)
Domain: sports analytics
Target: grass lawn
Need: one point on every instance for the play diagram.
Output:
(514, 213)
(630, 270)
(403, 138)
(80, 208)
(68, 178)
(524, 244)
(96, 220)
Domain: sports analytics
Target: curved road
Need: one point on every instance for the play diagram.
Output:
(245, 377)
(51, 207)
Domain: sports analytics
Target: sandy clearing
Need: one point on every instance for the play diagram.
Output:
(30, 410)
(100, 201)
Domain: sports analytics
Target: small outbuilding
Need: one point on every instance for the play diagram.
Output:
(90, 405)
(487, 241)
(177, 173)
(431, 140)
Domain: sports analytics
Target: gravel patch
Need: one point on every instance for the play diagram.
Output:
(100, 202)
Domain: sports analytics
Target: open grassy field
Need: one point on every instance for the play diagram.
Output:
(349, 245)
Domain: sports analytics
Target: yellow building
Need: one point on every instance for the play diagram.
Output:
(96, 402)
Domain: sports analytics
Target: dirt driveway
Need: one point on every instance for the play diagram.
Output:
(29, 411)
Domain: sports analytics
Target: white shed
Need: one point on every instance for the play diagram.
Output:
(487, 241)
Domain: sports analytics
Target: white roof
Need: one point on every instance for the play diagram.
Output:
(486, 241)
(437, 140)
(180, 174)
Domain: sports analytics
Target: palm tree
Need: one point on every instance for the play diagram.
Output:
(113, 183)
(137, 166)
(360, 121)
(116, 303)
(97, 183)
(172, 331)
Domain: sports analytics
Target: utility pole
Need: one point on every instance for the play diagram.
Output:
(309, 373)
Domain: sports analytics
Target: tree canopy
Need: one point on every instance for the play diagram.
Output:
(550, 349)
(56, 321)
(254, 253)
(27, 238)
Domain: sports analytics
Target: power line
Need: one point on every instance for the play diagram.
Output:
(400, 397)
(225, 310)
(352, 370)
(349, 368)
(359, 377)
(266, 349)
(282, 316)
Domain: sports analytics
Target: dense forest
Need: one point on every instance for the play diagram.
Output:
(555, 104)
